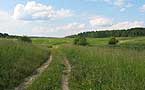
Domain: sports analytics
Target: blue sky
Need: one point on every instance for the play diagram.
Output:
(55, 18)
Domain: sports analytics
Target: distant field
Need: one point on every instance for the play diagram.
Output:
(134, 41)
(52, 41)
(131, 41)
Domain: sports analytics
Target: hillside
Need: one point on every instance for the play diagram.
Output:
(133, 32)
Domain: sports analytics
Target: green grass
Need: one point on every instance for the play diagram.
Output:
(17, 61)
(52, 41)
(129, 41)
(51, 78)
(94, 67)
(139, 41)
(97, 68)
(98, 41)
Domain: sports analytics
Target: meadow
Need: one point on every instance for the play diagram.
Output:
(97, 66)
(123, 41)
(51, 78)
(104, 68)
(17, 61)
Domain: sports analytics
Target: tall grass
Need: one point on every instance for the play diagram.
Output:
(102, 68)
(17, 61)
(51, 78)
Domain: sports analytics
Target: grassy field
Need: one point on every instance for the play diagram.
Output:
(52, 41)
(97, 68)
(51, 78)
(104, 68)
(138, 41)
(17, 61)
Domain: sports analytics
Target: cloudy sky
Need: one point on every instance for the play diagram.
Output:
(59, 18)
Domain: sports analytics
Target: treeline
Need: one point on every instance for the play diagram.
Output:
(133, 32)
(5, 35)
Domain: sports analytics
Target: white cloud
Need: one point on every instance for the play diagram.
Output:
(122, 4)
(122, 25)
(8, 24)
(119, 3)
(59, 31)
(50, 29)
(127, 25)
(37, 11)
(142, 9)
(71, 26)
(100, 21)
(37, 28)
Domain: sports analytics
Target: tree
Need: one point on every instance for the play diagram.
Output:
(5, 35)
(80, 41)
(25, 39)
(113, 41)
(133, 32)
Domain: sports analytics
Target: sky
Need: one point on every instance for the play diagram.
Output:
(59, 18)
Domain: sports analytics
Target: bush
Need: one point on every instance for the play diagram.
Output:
(25, 39)
(113, 41)
(80, 41)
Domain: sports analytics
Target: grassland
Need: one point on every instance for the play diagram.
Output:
(129, 41)
(97, 68)
(51, 78)
(105, 68)
(17, 61)
(52, 41)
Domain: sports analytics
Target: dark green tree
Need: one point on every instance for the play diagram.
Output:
(25, 39)
(133, 32)
(80, 41)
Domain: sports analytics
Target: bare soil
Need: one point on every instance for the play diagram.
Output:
(66, 75)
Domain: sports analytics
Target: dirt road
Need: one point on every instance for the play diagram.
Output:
(36, 74)
(66, 75)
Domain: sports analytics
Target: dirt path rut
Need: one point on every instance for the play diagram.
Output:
(66, 75)
(38, 72)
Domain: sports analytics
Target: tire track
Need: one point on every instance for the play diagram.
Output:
(66, 75)
(37, 73)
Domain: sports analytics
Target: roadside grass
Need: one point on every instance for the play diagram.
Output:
(17, 61)
(51, 77)
(104, 68)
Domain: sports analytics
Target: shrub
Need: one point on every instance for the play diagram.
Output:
(50, 46)
(80, 41)
(25, 39)
(113, 41)
(76, 40)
